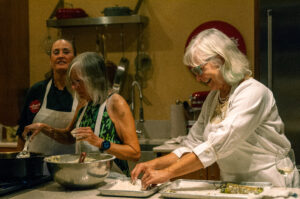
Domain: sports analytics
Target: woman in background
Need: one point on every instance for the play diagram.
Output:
(105, 123)
(49, 101)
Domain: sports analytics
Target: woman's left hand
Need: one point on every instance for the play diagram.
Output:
(87, 134)
(152, 177)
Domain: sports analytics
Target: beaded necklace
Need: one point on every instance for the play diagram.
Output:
(220, 110)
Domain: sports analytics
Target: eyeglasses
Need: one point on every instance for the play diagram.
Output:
(198, 70)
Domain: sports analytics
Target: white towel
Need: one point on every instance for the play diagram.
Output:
(177, 140)
(277, 193)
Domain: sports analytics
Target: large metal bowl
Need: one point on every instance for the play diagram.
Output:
(66, 170)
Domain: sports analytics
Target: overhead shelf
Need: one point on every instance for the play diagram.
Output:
(98, 21)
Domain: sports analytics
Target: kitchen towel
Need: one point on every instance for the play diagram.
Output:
(177, 120)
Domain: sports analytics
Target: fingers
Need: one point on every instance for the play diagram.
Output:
(147, 179)
(82, 133)
(34, 134)
(35, 129)
(138, 169)
(26, 131)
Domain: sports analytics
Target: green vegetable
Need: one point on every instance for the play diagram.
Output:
(232, 188)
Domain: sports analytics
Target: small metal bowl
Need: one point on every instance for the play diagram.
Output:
(66, 170)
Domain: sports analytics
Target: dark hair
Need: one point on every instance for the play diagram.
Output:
(49, 74)
(72, 42)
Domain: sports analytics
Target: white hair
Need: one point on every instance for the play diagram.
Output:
(213, 45)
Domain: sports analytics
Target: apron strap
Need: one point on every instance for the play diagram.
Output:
(46, 94)
(84, 145)
(81, 116)
(98, 120)
(75, 103)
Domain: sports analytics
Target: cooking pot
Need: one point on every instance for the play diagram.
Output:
(67, 13)
(12, 167)
(117, 11)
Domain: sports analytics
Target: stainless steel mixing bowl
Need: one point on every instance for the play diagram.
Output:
(66, 170)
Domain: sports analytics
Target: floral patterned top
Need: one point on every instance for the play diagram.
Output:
(107, 131)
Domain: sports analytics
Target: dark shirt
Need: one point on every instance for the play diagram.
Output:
(56, 100)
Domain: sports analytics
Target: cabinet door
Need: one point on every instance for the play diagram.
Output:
(278, 53)
(213, 172)
(14, 58)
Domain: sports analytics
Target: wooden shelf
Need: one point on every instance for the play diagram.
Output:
(98, 21)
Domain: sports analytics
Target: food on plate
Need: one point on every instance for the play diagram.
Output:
(232, 188)
(127, 185)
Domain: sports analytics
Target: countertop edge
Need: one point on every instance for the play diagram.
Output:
(8, 144)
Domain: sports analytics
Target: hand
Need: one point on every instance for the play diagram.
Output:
(152, 177)
(34, 128)
(139, 169)
(87, 134)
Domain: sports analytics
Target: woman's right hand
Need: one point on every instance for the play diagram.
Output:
(34, 128)
(140, 168)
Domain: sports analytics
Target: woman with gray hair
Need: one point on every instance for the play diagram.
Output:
(239, 126)
(105, 123)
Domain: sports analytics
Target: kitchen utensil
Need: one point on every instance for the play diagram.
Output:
(117, 11)
(66, 170)
(143, 63)
(137, 7)
(12, 167)
(198, 98)
(122, 11)
(118, 78)
(68, 13)
(82, 157)
(122, 67)
(24, 153)
(187, 108)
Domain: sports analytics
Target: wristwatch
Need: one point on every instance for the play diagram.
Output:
(105, 145)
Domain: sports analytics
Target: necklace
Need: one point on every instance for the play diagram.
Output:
(223, 100)
(220, 110)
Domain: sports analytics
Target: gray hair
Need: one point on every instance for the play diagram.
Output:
(214, 46)
(90, 67)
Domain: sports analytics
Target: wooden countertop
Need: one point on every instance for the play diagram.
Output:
(8, 144)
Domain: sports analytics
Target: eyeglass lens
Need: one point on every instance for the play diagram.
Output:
(197, 70)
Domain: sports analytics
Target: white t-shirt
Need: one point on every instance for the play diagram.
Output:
(245, 142)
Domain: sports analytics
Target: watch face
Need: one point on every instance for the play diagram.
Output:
(105, 145)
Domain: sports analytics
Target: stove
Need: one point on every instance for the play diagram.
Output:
(16, 184)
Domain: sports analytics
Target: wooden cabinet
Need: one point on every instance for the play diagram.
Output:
(8, 146)
(8, 149)
(14, 59)
(210, 173)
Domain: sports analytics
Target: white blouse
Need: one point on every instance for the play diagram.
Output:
(245, 142)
